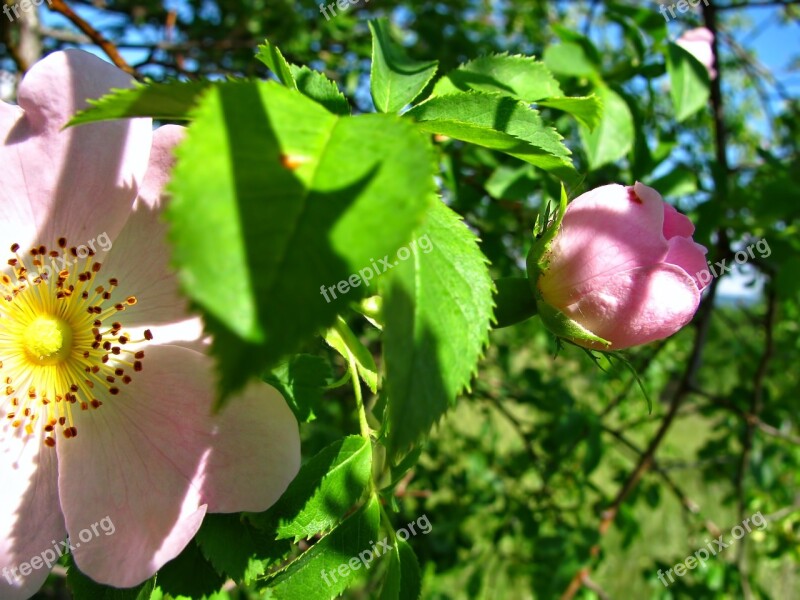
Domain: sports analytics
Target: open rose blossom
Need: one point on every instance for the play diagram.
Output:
(624, 267)
(698, 43)
(106, 430)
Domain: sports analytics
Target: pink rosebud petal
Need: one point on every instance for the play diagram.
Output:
(624, 266)
(638, 306)
(691, 257)
(676, 224)
(606, 230)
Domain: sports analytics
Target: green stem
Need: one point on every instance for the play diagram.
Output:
(362, 412)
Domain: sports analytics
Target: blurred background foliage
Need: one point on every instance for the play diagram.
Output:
(551, 479)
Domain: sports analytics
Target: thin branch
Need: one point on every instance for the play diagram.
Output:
(516, 425)
(687, 503)
(72, 37)
(95, 37)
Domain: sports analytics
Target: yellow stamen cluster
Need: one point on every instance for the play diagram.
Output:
(58, 354)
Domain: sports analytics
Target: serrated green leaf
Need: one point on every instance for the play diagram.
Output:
(316, 575)
(301, 380)
(690, 85)
(326, 487)
(438, 311)
(342, 339)
(275, 198)
(171, 101)
(403, 578)
(495, 122)
(236, 549)
(318, 87)
(189, 574)
(586, 109)
(613, 137)
(521, 77)
(272, 57)
(83, 588)
(342, 486)
(395, 79)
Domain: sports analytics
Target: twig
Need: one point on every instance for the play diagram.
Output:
(60, 6)
(687, 503)
(516, 425)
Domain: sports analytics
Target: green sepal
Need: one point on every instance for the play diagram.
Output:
(536, 257)
(561, 325)
(556, 321)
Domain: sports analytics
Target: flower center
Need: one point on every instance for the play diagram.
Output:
(58, 353)
(48, 340)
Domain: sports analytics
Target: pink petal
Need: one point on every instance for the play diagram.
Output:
(698, 34)
(16, 222)
(77, 183)
(691, 257)
(31, 522)
(162, 159)
(676, 224)
(638, 306)
(153, 458)
(609, 229)
(140, 255)
(698, 43)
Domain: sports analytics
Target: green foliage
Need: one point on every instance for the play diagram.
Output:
(168, 101)
(327, 185)
(403, 578)
(437, 316)
(318, 87)
(587, 110)
(521, 77)
(613, 137)
(690, 86)
(395, 79)
(301, 380)
(189, 574)
(273, 58)
(236, 549)
(514, 300)
(495, 122)
(570, 59)
(307, 81)
(346, 343)
(323, 492)
(303, 578)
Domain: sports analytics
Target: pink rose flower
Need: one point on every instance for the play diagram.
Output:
(624, 266)
(698, 43)
(106, 431)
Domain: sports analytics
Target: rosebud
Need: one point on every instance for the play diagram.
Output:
(620, 270)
